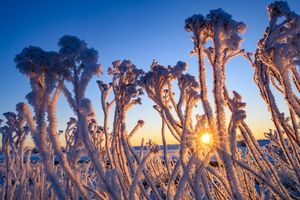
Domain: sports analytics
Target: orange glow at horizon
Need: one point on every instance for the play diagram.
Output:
(154, 133)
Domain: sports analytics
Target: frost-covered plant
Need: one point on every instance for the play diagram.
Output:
(224, 34)
(46, 72)
(43, 70)
(99, 162)
(177, 115)
(81, 64)
(276, 67)
(128, 164)
(13, 146)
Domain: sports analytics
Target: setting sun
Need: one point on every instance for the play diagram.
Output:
(206, 138)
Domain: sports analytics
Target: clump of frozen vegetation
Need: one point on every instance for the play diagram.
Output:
(209, 163)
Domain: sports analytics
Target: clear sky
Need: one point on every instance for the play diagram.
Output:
(140, 30)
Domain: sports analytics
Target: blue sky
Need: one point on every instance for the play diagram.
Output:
(136, 30)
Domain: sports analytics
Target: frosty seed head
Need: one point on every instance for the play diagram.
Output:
(278, 9)
(194, 24)
(32, 60)
(219, 27)
(71, 46)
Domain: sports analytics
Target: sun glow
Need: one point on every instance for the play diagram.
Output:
(206, 138)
